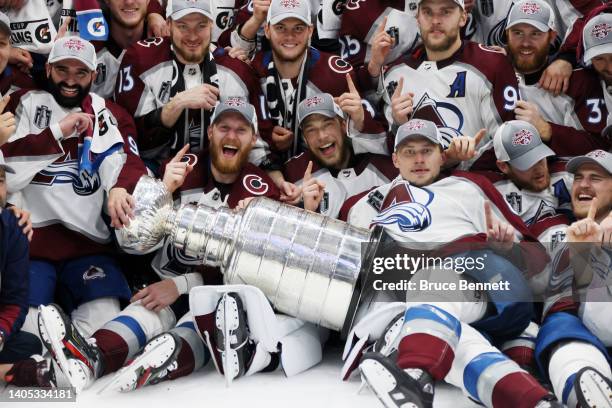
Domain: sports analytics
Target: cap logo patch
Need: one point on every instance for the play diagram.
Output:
(522, 138)
(235, 102)
(415, 125)
(290, 4)
(74, 44)
(596, 154)
(313, 101)
(530, 8)
(601, 31)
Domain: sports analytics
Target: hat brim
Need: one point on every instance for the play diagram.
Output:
(324, 112)
(454, 1)
(595, 51)
(530, 158)
(405, 138)
(574, 164)
(283, 16)
(5, 28)
(88, 64)
(234, 110)
(540, 26)
(7, 168)
(182, 13)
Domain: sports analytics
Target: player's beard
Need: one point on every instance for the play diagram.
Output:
(444, 45)
(532, 184)
(281, 56)
(228, 165)
(531, 64)
(191, 57)
(67, 101)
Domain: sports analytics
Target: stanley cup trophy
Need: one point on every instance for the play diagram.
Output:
(309, 266)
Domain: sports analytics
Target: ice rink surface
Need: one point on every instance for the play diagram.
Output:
(318, 387)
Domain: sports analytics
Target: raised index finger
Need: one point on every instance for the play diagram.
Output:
(592, 209)
(382, 25)
(179, 155)
(351, 85)
(400, 86)
(481, 133)
(308, 172)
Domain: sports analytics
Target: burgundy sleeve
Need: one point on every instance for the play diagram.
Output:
(240, 18)
(155, 8)
(133, 167)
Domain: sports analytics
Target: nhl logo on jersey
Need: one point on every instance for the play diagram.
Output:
(530, 8)
(42, 117)
(522, 138)
(313, 101)
(290, 4)
(601, 31)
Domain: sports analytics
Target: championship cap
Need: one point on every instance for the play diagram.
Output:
(519, 143)
(180, 8)
(599, 157)
(72, 47)
(418, 128)
(460, 3)
(282, 9)
(596, 37)
(322, 104)
(536, 13)
(239, 105)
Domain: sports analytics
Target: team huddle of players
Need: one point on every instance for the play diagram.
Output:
(443, 121)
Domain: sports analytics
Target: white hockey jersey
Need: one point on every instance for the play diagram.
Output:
(475, 88)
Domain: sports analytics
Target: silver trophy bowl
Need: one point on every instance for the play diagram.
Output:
(309, 266)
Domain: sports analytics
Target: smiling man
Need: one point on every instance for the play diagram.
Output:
(573, 344)
(72, 150)
(459, 85)
(335, 172)
(220, 176)
(170, 85)
(571, 123)
(293, 71)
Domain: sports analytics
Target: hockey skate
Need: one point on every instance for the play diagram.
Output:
(388, 342)
(151, 366)
(232, 336)
(79, 360)
(394, 387)
(36, 371)
(593, 389)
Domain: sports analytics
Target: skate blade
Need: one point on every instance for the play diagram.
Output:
(127, 373)
(596, 391)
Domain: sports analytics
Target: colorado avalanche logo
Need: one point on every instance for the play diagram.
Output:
(67, 172)
(522, 138)
(290, 4)
(601, 31)
(255, 184)
(235, 102)
(446, 116)
(94, 272)
(190, 158)
(313, 101)
(409, 217)
(596, 154)
(530, 8)
(74, 44)
(406, 207)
